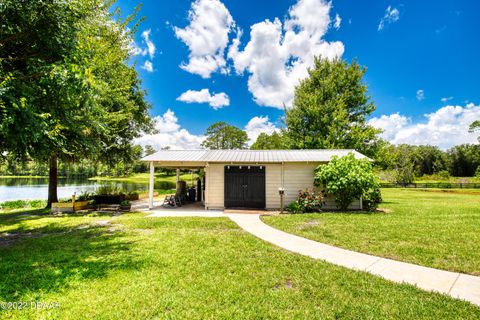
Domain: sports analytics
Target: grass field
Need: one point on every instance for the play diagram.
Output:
(435, 229)
(129, 267)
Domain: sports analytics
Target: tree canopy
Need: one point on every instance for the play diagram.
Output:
(222, 135)
(330, 109)
(68, 89)
(475, 127)
(274, 141)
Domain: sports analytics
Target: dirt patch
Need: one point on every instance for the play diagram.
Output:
(383, 210)
(144, 231)
(309, 224)
(286, 285)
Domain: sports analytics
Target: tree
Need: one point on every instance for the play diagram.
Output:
(148, 150)
(275, 141)
(404, 164)
(68, 90)
(221, 135)
(348, 178)
(330, 109)
(465, 159)
(474, 127)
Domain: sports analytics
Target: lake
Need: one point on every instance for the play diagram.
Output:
(37, 188)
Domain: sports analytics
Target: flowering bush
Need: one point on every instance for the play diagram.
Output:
(307, 201)
(348, 178)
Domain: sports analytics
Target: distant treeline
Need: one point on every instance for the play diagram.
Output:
(83, 168)
(408, 162)
(118, 166)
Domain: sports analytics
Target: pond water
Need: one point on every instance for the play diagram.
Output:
(37, 188)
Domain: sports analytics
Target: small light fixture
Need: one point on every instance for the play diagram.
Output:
(240, 167)
(261, 167)
(228, 167)
(248, 167)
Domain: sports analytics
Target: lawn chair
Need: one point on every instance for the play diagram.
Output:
(172, 201)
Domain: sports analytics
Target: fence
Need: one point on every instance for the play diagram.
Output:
(438, 185)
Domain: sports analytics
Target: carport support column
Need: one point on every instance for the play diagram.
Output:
(150, 187)
(178, 174)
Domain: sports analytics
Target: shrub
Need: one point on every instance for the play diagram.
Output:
(371, 199)
(109, 189)
(477, 172)
(307, 201)
(85, 196)
(294, 207)
(443, 175)
(348, 178)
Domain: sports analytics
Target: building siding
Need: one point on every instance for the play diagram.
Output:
(215, 175)
(295, 176)
(273, 181)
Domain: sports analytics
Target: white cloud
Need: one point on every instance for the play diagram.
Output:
(446, 127)
(391, 15)
(420, 95)
(257, 125)
(170, 134)
(278, 54)
(338, 22)
(206, 37)
(147, 66)
(216, 101)
(446, 99)
(150, 45)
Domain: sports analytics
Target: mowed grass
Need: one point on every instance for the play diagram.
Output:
(431, 228)
(130, 267)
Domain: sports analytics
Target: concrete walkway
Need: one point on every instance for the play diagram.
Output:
(457, 285)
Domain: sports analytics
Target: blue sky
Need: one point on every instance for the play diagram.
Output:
(421, 56)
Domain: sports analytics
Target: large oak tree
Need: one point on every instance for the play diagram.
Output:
(67, 87)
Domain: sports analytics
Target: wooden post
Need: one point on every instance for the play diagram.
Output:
(178, 174)
(151, 185)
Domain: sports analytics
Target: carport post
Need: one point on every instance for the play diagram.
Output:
(178, 174)
(150, 187)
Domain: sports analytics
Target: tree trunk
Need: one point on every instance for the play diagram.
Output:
(52, 181)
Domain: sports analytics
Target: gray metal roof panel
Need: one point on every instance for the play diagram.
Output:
(249, 156)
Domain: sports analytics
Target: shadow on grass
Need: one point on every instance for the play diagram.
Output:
(52, 258)
(7, 219)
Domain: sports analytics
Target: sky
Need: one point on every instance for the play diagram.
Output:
(239, 61)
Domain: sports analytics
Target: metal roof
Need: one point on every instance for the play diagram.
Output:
(249, 156)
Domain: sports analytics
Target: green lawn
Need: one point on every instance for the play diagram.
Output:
(130, 267)
(435, 229)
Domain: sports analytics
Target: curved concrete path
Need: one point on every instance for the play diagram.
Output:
(457, 285)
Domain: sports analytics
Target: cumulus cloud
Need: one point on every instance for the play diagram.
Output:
(338, 21)
(257, 125)
(216, 100)
(391, 15)
(147, 66)
(170, 134)
(279, 54)
(206, 37)
(420, 95)
(446, 127)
